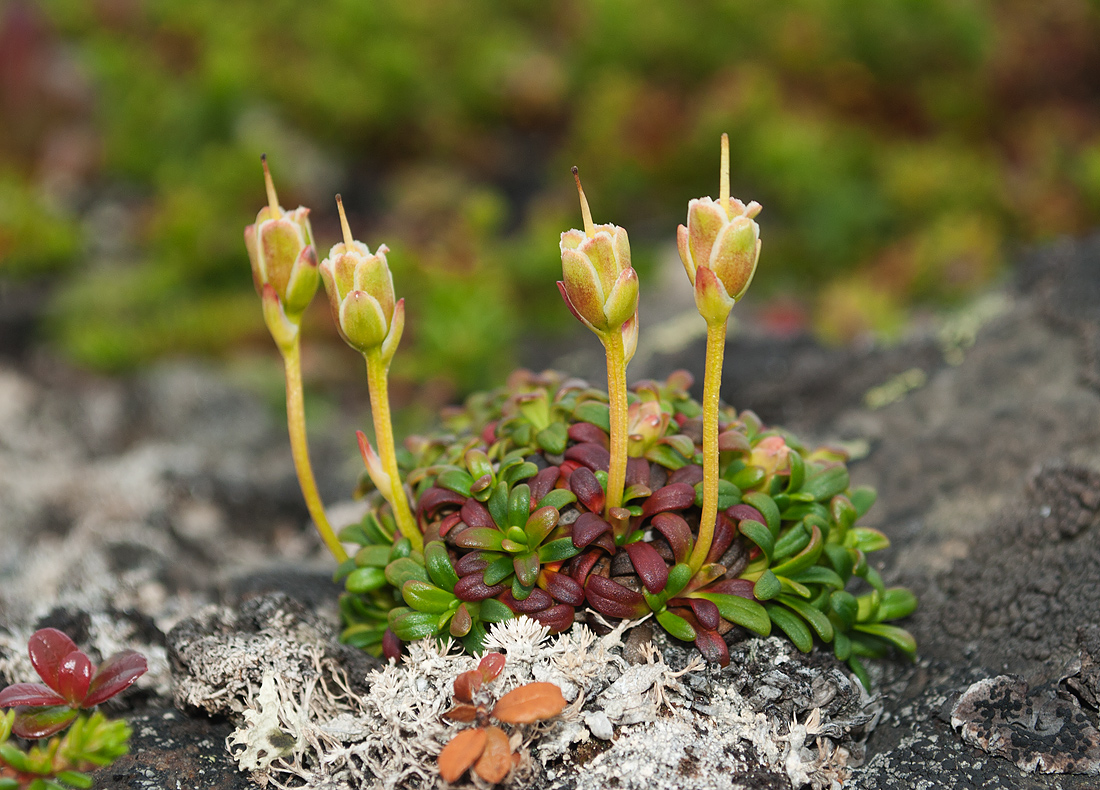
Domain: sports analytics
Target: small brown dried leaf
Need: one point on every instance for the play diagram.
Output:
(462, 712)
(530, 703)
(467, 684)
(463, 751)
(496, 759)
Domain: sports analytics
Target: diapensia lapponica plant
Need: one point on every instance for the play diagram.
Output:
(551, 499)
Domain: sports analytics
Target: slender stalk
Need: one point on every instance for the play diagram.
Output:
(616, 393)
(377, 383)
(712, 384)
(724, 174)
(299, 449)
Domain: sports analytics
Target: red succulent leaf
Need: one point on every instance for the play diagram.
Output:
(588, 527)
(476, 514)
(435, 498)
(606, 542)
(690, 474)
(47, 647)
(30, 695)
(447, 524)
(588, 489)
(712, 646)
(651, 569)
(677, 532)
(743, 512)
(582, 432)
(557, 618)
(723, 537)
(527, 567)
(582, 565)
(595, 456)
(474, 562)
(491, 665)
(391, 645)
(637, 472)
(542, 484)
(466, 685)
(675, 496)
(74, 675)
(489, 433)
(568, 468)
(474, 588)
(706, 613)
(733, 441)
(538, 600)
(563, 588)
(115, 674)
(742, 587)
(34, 723)
(613, 599)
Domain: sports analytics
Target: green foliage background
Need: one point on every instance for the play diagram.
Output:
(896, 145)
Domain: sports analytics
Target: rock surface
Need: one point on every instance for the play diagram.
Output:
(127, 506)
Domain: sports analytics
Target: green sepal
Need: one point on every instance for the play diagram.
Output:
(678, 577)
(498, 570)
(410, 625)
(365, 580)
(456, 480)
(804, 559)
(556, 550)
(827, 484)
(862, 499)
(867, 539)
(817, 619)
(404, 568)
(792, 625)
(797, 471)
(493, 611)
(597, 413)
(767, 507)
(741, 611)
(767, 586)
(666, 456)
(819, 574)
(760, 535)
(558, 498)
(898, 637)
(438, 564)
(749, 477)
(843, 603)
(426, 597)
(676, 625)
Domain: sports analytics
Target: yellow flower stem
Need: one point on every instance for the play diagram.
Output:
(616, 393)
(299, 449)
(712, 384)
(377, 383)
(724, 182)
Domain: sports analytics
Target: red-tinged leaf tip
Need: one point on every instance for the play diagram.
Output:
(391, 645)
(530, 703)
(47, 647)
(29, 695)
(584, 484)
(491, 665)
(115, 674)
(74, 675)
(651, 569)
(463, 751)
(33, 723)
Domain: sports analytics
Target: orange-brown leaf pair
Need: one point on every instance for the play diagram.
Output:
(485, 748)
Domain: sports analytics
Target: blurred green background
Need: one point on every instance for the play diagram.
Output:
(900, 149)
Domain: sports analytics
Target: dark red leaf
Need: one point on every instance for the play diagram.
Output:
(29, 694)
(606, 542)
(613, 599)
(712, 646)
(476, 514)
(474, 588)
(447, 524)
(543, 483)
(689, 475)
(391, 645)
(651, 569)
(42, 722)
(733, 441)
(491, 665)
(557, 618)
(586, 432)
(677, 532)
(675, 496)
(568, 468)
(723, 537)
(538, 600)
(705, 611)
(563, 588)
(588, 489)
(47, 647)
(743, 512)
(588, 527)
(637, 472)
(474, 562)
(595, 456)
(489, 433)
(74, 675)
(742, 587)
(582, 565)
(435, 498)
(114, 675)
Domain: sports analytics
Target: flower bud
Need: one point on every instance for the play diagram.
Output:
(280, 249)
(360, 292)
(598, 284)
(720, 247)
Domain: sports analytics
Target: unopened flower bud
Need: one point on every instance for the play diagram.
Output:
(598, 284)
(720, 247)
(281, 251)
(360, 292)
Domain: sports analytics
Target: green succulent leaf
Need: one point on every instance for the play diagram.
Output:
(791, 587)
(438, 564)
(527, 570)
(842, 646)
(678, 577)
(557, 550)
(819, 574)
(767, 507)
(481, 538)
(597, 413)
(425, 597)
(767, 586)
(842, 559)
(666, 456)
(817, 619)
(728, 494)
(867, 539)
(792, 625)
(676, 625)
(827, 484)
(862, 499)
(796, 538)
(493, 611)
(365, 580)
(843, 603)
(374, 556)
(498, 570)
(898, 637)
(410, 625)
(760, 535)
(804, 559)
(404, 568)
(519, 505)
(897, 602)
(75, 779)
(749, 477)
(553, 439)
(456, 480)
(558, 498)
(797, 471)
(741, 611)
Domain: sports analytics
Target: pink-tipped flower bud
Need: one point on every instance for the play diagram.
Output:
(720, 247)
(360, 292)
(283, 258)
(598, 283)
